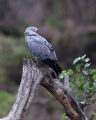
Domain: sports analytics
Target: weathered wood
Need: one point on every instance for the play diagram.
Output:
(66, 82)
(29, 83)
(32, 76)
(71, 106)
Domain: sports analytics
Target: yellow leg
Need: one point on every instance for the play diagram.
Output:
(31, 59)
(37, 61)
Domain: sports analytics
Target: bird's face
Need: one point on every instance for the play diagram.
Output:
(30, 31)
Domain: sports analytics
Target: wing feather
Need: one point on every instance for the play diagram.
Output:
(40, 48)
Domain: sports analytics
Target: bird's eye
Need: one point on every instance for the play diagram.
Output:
(35, 29)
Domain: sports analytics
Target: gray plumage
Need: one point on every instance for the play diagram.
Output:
(41, 49)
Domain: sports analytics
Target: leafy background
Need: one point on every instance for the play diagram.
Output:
(70, 26)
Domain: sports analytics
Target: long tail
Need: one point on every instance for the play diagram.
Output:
(55, 68)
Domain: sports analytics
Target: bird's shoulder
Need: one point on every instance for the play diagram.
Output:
(40, 40)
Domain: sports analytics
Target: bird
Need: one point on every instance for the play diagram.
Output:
(41, 49)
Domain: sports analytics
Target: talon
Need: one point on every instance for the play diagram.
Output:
(31, 59)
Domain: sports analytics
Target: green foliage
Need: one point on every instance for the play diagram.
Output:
(62, 74)
(6, 101)
(87, 77)
(70, 71)
(78, 67)
(84, 80)
(92, 117)
(63, 116)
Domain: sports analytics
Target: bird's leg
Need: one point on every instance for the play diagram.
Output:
(31, 58)
(36, 61)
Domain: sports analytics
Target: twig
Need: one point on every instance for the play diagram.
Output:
(66, 81)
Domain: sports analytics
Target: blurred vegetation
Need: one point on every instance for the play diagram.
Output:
(6, 102)
(12, 50)
(69, 25)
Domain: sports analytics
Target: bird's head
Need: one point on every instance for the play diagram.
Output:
(31, 31)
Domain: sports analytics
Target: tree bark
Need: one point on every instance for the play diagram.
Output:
(32, 76)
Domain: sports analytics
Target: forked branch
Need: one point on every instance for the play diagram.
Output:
(32, 76)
